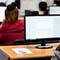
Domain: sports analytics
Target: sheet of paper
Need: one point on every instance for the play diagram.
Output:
(22, 51)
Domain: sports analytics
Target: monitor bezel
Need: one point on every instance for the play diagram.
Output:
(49, 40)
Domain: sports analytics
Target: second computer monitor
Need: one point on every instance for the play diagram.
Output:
(54, 10)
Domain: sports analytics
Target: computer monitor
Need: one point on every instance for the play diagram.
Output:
(41, 28)
(2, 13)
(54, 10)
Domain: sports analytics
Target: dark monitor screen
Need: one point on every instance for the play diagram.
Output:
(40, 28)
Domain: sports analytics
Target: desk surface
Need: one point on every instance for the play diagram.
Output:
(35, 52)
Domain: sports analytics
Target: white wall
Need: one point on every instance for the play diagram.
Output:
(50, 2)
(9, 2)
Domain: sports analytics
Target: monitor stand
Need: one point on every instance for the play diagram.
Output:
(43, 46)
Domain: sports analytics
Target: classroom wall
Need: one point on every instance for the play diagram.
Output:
(49, 2)
(9, 1)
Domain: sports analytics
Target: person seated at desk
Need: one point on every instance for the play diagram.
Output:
(12, 28)
(43, 8)
(17, 3)
(57, 2)
(2, 4)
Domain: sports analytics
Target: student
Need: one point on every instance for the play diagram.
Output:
(56, 55)
(57, 2)
(43, 8)
(2, 2)
(9, 2)
(12, 28)
(17, 3)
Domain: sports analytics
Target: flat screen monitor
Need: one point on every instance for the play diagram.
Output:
(2, 13)
(41, 28)
(54, 10)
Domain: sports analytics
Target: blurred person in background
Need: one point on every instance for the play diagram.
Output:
(57, 2)
(17, 3)
(43, 8)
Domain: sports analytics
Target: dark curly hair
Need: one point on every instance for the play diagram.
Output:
(42, 6)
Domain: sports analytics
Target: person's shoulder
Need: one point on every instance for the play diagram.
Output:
(46, 12)
(19, 22)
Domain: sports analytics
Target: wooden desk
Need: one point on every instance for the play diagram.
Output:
(8, 54)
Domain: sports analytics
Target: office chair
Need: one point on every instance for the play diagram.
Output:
(18, 41)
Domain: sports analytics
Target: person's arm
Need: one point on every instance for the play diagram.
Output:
(56, 55)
